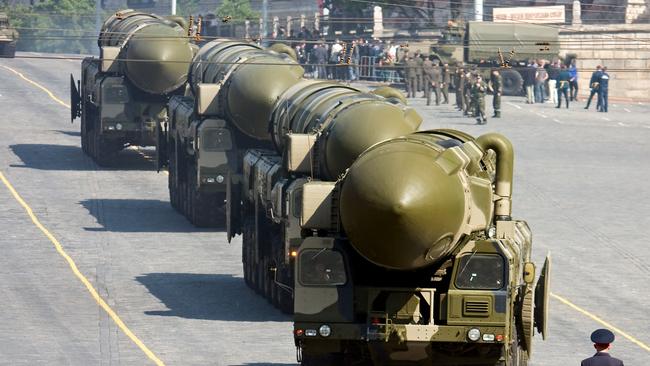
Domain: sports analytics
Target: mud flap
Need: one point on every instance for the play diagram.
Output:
(75, 99)
(162, 154)
(542, 290)
(233, 209)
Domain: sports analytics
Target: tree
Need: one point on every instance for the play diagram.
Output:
(238, 10)
(65, 26)
(188, 7)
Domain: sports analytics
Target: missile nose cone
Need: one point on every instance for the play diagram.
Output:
(157, 59)
(399, 208)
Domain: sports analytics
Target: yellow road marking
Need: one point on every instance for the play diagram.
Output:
(601, 321)
(73, 266)
(38, 86)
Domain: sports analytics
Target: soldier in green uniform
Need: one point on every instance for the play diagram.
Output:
(469, 106)
(427, 70)
(460, 87)
(410, 76)
(478, 98)
(446, 79)
(436, 81)
(418, 70)
(496, 87)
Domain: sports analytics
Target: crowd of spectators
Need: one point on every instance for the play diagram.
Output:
(346, 60)
(541, 78)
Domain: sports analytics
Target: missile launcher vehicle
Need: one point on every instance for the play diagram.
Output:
(390, 246)
(413, 258)
(122, 95)
(8, 37)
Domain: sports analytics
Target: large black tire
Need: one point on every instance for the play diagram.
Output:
(512, 82)
(247, 241)
(99, 147)
(84, 131)
(171, 181)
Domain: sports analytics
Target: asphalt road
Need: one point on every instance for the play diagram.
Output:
(580, 181)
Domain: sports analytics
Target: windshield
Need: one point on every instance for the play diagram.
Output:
(481, 272)
(321, 267)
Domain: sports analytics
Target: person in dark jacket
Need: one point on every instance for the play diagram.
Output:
(563, 82)
(594, 84)
(603, 89)
(602, 339)
(529, 82)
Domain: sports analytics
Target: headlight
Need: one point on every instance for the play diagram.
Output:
(492, 232)
(220, 178)
(325, 330)
(118, 126)
(474, 334)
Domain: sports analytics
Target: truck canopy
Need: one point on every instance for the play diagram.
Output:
(529, 41)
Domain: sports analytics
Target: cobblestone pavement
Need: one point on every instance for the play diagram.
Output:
(580, 181)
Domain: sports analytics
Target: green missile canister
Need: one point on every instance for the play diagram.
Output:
(408, 202)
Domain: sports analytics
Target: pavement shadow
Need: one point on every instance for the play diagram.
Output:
(69, 133)
(68, 157)
(208, 297)
(138, 216)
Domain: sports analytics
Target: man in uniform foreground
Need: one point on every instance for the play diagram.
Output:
(602, 339)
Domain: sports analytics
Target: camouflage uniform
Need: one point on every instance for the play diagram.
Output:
(427, 70)
(436, 80)
(418, 72)
(410, 77)
(446, 79)
(496, 86)
(478, 99)
(469, 107)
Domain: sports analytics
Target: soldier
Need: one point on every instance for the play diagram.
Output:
(602, 339)
(496, 87)
(436, 81)
(418, 70)
(427, 70)
(478, 99)
(410, 76)
(469, 106)
(460, 87)
(603, 89)
(446, 80)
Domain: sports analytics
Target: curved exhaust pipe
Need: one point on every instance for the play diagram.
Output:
(505, 164)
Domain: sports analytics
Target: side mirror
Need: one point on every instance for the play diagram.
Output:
(529, 273)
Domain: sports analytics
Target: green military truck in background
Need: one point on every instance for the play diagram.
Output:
(8, 37)
(508, 46)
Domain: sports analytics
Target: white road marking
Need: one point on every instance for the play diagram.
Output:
(558, 121)
(606, 119)
(622, 124)
(541, 115)
(615, 105)
(627, 110)
(514, 105)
